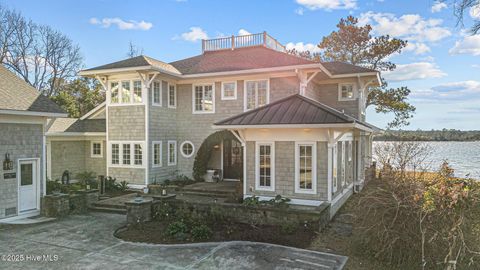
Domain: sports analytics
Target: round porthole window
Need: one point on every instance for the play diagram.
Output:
(187, 149)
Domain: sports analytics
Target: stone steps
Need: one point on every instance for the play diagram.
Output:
(213, 194)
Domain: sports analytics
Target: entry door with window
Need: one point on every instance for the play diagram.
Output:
(232, 159)
(28, 184)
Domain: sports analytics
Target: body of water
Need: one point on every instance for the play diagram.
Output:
(463, 157)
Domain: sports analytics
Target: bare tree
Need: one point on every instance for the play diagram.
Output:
(462, 6)
(42, 56)
(133, 50)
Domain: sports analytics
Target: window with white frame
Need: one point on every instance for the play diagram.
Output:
(342, 164)
(126, 154)
(115, 153)
(203, 98)
(334, 169)
(96, 149)
(264, 166)
(172, 153)
(229, 90)
(157, 154)
(172, 96)
(305, 168)
(114, 89)
(137, 92)
(187, 149)
(138, 154)
(256, 94)
(126, 92)
(157, 93)
(346, 91)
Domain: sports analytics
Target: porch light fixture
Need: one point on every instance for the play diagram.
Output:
(216, 146)
(7, 163)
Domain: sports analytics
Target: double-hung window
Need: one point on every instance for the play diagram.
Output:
(172, 96)
(346, 91)
(114, 89)
(157, 93)
(96, 149)
(265, 166)
(157, 154)
(172, 153)
(343, 164)
(305, 167)
(256, 94)
(203, 98)
(334, 168)
(126, 92)
(229, 90)
(126, 154)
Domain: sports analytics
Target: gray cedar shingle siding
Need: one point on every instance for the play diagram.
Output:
(20, 141)
(126, 123)
(16, 94)
(285, 171)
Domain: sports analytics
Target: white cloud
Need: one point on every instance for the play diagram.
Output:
(195, 34)
(121, 24)
(452, 91)
(475, 66)
(301, 47)
(299, 11)
(438, 6)
(468, 45)
(475, 12)
(414, 71)
(243, 32)
(417, 48)
(408, 26)
(328, 4)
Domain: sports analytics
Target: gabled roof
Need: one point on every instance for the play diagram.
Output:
(292, 110)
(339, 68)
(75, 125)
(17, 96)
(138, 61)
(238, 59)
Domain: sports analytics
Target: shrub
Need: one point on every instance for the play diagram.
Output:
(202, 232)
(251, 201)
(86, 178)
(288, 227)
(176, 227)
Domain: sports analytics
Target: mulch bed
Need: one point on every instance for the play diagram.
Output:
(153, 232)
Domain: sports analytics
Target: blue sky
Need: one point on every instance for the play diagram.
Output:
(441, 64)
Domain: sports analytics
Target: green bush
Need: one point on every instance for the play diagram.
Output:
(200, 233)
(288, 227)
(176, 228)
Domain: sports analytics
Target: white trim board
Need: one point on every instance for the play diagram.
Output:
(29, 113)
(292, 201)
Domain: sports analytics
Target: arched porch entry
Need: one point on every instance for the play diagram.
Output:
(219, 151)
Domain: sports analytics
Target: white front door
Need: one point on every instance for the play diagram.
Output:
(28, 185)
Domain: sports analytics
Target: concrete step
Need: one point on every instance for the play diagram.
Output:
(108, 210)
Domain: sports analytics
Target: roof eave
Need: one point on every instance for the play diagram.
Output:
(97, 72)
(33, 113)
(277, 126)
(66, 134)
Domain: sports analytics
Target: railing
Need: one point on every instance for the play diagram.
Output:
(230, 43)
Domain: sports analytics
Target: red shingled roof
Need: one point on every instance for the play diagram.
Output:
(237, 59)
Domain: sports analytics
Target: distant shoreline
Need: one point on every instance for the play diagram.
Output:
(444, 135)
(407, 140)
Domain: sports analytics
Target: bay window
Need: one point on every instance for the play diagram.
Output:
(203, 98)
(126, 92)
(256, 94)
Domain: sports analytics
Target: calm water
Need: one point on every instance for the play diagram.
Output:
(463, 157)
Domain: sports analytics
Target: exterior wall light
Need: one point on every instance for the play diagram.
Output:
(7, 163)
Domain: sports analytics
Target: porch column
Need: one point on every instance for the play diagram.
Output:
(329, 171)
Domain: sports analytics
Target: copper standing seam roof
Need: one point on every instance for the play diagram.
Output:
(292, 110)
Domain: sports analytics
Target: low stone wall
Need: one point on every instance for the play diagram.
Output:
(261, 215)
(60, 205)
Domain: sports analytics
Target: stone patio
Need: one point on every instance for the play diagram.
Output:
(87, 242)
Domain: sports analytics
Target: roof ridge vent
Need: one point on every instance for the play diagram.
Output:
(233, 42)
